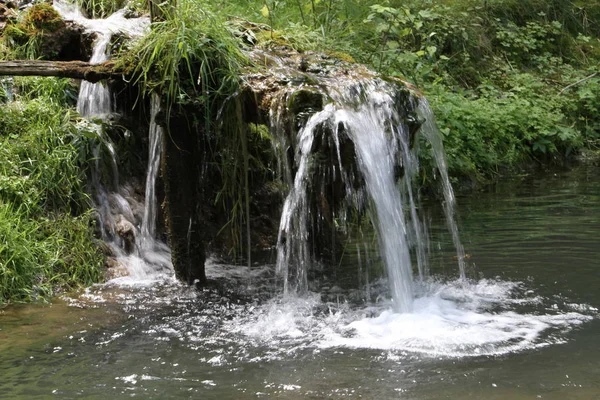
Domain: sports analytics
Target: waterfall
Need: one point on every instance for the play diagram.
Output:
(292, 243)
(127, 220)
(148, 229)
(374, 129)
(94, 98)
(366, 114)
(434, 136)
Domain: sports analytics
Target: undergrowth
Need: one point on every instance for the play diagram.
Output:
(46, 240)
(189, 57)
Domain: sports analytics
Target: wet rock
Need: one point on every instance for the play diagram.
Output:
(126, 230)
(114, 269)
(105, 248)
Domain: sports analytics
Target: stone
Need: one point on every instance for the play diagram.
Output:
(114, 269)
(126, 230)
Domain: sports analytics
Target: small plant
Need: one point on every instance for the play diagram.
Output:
(100, 8)
(187, 57)
(43, 17)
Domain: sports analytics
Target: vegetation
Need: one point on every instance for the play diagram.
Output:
(188, 56)
(510, 81)
(29, 37)
(45, 238)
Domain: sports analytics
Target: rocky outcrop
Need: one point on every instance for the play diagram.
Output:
(288, 89)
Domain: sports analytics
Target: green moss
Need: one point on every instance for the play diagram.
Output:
(43, 17)
(32, 35)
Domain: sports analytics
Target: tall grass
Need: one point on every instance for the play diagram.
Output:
(189, 57)
(46, 241)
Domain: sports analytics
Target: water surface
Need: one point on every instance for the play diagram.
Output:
(525, 326)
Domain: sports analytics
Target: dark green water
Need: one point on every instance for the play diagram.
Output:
(532, 311)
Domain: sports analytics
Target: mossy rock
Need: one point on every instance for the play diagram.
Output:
(43, 17)
(41, 33)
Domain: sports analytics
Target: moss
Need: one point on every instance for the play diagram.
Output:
(41, 33)
(342, 56)
(44, 17)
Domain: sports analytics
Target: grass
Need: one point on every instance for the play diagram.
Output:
(189, 57)
(45, 216)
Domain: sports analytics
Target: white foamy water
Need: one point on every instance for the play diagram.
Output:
(448, 320)
(95, 98)
(115, 23)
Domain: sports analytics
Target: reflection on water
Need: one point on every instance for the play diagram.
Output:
(527, 328)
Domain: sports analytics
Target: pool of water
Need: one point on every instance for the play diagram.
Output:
(524, 326)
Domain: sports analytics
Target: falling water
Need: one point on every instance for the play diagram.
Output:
(148, 229)
(94, 98)
(433, 135)
(378, 133)
(127, 221)
(292, 243)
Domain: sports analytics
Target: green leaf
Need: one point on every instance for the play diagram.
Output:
(392, 45)
(265, 11)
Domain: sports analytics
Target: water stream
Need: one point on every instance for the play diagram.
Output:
(94, 99)
(368, 115)
(526, 328)
(127, 221)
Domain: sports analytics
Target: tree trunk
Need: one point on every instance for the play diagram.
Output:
(62, 69)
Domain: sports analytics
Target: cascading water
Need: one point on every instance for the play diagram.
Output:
(148, 229)
(433, 135)
(430, 316)
(381, 141)
(94, 98)
(127, 222)
(155, 253)
(375, 130)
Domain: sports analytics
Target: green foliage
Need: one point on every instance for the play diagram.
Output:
(37, 256)
(189, 57)
(100, 8)
(584, 105)
(494, 71)
(490, 133)
(45, 236)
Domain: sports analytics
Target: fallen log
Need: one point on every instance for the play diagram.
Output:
(63, 69)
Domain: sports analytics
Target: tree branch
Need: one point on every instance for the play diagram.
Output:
(578, 82)
(64, 69)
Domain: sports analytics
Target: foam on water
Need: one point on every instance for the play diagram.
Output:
(455, 319)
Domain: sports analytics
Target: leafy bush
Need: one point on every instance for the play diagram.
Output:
(484, 135)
